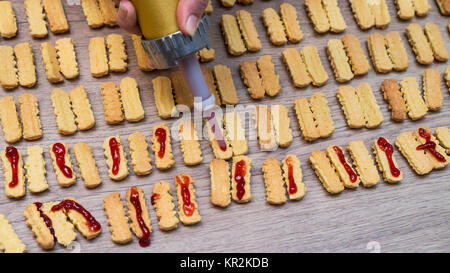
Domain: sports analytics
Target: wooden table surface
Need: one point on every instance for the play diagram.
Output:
(411, 216)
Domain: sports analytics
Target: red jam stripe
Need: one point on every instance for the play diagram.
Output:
(184, 182)
(429, 145)
(144, 241)
(161, 136)
(388, 149)
(13, 157)
(114, 147)
(47, 220)
(67, 204)
(239, 177)
(154, 197)
(292, 185)
(60, 154)
(347, 167)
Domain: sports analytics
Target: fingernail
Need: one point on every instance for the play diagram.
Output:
(192, 24)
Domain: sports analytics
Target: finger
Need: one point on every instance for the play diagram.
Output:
(189, 13)
(126, 17)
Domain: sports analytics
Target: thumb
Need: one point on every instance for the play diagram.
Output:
(189, 13)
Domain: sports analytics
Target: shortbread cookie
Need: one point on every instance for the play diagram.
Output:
(228, 3)
(182, 92)
(117, 53)
(36, 18)
(13, 173)
(36, 171)
(421, 7)
(162, 147)
(109, 12)
(8, 70)
(270, 80)
(293, 177)
(97, 57)
(264, 126)
(296, 67)
(67, 58)
(117, 220)
(380, 12)
(318, 15)
(251, 78)
(209, 79)
(314, 66)
(64, 231)
(26, 70)
(82, 108)
(444, 6)
(9, 241)
(365, 166)
(281, 125)
(419, 44)
(357, 57)
(235, 133)
(116, 159)
(138, 214)
(225, 85)
(248, 31)
(437, 44)
(187, 204)
(275, 191)
(62, 164)
(92, 12)
(307, 123)
(322, 114)
(429, 144)
(63, 111)
(51, 63)
(206, 55)
(12, 131)
(432, 89)
(131, 100)
(405, 9)
(409, 88)
(384, 154)
(407, 143)
(140, 157)
(372, 114)
(396, 51)
(274, 25)
(55, 15)
(240, 179)
(343, 167)
(362, 13)
(41, 229)
(337, 22)
(325, 172)
(162, 92)
(209, 8)
(377, 50)
(443, 135)
(112, 104)
(291, 23)
(141, 56)
(190, 146)
(392, 94)
(350, 105)
(8, 25)
(232, 35)
(87, 165)
(162, 201)
(221, 147)
(220, 182)
(339, 60)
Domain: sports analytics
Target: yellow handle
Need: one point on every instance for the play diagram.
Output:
(157, 18)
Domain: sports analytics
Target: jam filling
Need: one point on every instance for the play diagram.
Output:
(47, 220)
(144, 241)
(188, 206)
(114, 147)
(239, 177)
(13, 157)
(154, 197)
(429, 145)
(67, 205)
(161, 136)
(59, 150)
(388, 149)
(292, 185)
(348, 169)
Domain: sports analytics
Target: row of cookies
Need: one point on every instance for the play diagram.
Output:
(240, 33)
(99, 13)
(260, 77)
(427, 43)
(101, 62)
(408, 8)
(230, 3)
(284, 29)
(17, 66)
(325, 16)
(387, 52)
(371, 13)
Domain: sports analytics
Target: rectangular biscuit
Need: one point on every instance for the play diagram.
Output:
(396, 51)
(112, 105)
(92, 12)
(190, 146)
(206, 55)
(29, 111)
(62, 106)
(162, 201)
(386, 161)
(419, 44)
(318, 16)
(336, 20)
(339, 60)
(228, 3)
(55, 15)
(87, 165)
(421, 7)
(293, 177)
(372, 114)
(281, 125)
(135, 194)
(250, 76)
(182, 92)
(308, 125)
(64, 230)
(443, 135)
(14, 182)
(365, 166)
(405, 9)
(62, 149)
(357, 57)
(116, 159)
(296, 67)
(221, 147)
(9, 241)
(33, 218)
(274, 25)
(432, 89)
(82, 109)
(270, 80)
(51, 63)
(325, 172)
(117, 53)
(36, 171)
(117, 220)
(140, 157)
(291, 24)
(8, 25)
(8, 70)
(350, 105)
(363, 14)
(235, 133)
(380, 13)
(131, 100)
(162, 92)
(97, 57)
(67, 58)
(141, 56)
(440, 159)
(220, 182)
(36, 18)
(225, 85)
(274, 182)
(437, 44)
(248, 31)
(407, 143)
(378, 51)
(12, 131)
(392, 94)
(187, 204)
(109, 12)
(314, 66)
(409, 88)
(209, 78)
(26, 70)
(240, 179)
(343, 167)
(265, 129)
(232, 35)
(444, 6)
(163, 156)
(322, 114)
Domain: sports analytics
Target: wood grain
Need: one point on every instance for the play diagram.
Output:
(411, 216)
